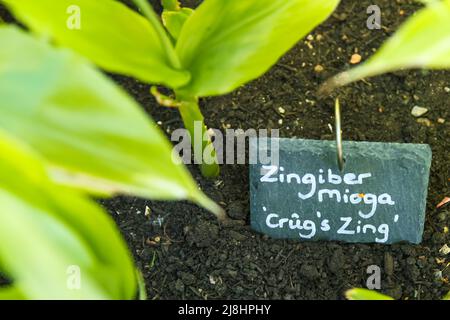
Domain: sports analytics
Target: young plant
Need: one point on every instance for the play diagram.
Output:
(211, 51)
(174, 17)
(68, 132)
(95, 137)
(423, 41)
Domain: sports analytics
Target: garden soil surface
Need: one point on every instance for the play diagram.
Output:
(185, 253)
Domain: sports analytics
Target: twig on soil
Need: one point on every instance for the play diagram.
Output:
(167, 236)
(287, 67)
(172, 121)
(287, 257)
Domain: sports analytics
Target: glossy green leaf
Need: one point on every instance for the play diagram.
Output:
(105, 31)
(93, 134)
(365, 294)
(51, 237)
(225, 44)
(423, 41)
(175, 20)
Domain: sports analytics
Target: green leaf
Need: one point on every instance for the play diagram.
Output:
(105, 31)
(171, 5)
(447, 296)
(48, 233)
(93, 135)
(141, 286)
(225, 44)
(423, 41)
(365, 294)
(11, 293)
(175, 20)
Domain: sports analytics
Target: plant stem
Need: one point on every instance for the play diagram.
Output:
(194, 122)
(211, 206)
(150, 14)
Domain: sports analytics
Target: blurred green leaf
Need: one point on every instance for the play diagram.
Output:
(174, 20)
(94, 136)
(225, 44)
(423, 41)
(447, 296)
(11, 293)
(111, 35)
(365, 294)
(142, 295)
(45, 230)
(171, 5)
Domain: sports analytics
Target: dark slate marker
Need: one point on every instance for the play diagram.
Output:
(379, 197)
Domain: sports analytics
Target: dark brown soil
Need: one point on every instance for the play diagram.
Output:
(196, 258)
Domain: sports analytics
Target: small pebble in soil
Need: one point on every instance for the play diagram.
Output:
(236, 210)
(441, 120)
(442, 216)
(237, 236)
(187, 278)
(336, 261)
(418, 111)
(445, 250)
(341, 16)
(179, 285)
(204, 234)
(447, 89)
(355, 59)
(410, 261)
(232, 273)
(424, 121)
(318, 68)
(310, 272)
(230, 223)
(148, 211)
(438, 238)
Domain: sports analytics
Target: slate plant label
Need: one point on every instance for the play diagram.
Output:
(379, 197)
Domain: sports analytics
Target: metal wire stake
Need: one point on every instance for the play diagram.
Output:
(339, 148)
